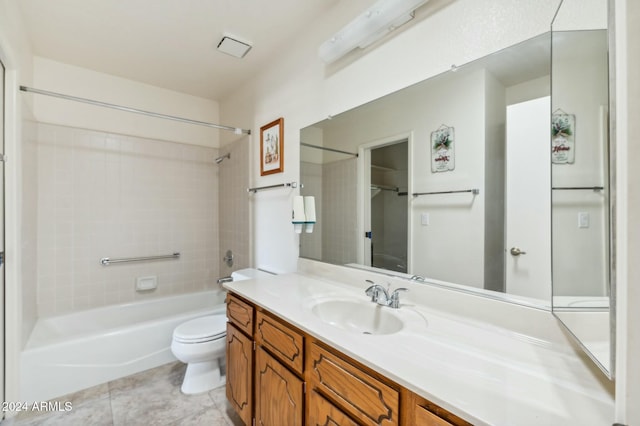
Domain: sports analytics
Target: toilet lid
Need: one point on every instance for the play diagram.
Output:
(201, 329)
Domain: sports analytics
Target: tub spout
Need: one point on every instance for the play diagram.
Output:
(225, 280)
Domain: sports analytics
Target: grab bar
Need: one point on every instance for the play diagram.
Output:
(106, 261)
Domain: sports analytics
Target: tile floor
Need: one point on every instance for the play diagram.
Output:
(150, 398)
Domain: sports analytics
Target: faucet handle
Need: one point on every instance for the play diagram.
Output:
(372, 291)
(395, 297)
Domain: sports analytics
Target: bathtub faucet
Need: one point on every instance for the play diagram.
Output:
(225, 280)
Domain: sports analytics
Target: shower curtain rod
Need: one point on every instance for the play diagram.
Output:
(236, 130)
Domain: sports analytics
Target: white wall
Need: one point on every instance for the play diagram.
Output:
(15, 53)
(84, 83)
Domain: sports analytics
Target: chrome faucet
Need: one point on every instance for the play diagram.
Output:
(225, 280)
(381, 296)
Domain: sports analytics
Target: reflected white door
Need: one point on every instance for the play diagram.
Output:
(528, 199)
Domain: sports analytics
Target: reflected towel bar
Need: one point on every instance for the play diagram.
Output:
(386, 188)
(106, 261)
(578, 188)
(474, 191)
(328, 149)
(281, 185)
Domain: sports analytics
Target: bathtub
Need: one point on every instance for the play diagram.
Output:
(75, 351)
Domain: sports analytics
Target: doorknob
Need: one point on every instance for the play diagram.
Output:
(515, 251)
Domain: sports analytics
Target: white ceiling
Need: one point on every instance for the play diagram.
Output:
(167, 43)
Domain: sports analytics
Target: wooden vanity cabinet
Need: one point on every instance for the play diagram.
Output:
(265, 361)
(279, 376)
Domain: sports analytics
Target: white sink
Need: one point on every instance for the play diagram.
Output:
(358, 317)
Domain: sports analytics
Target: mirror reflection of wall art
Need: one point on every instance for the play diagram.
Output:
(272, 147)
(563, 148)
(442, 150)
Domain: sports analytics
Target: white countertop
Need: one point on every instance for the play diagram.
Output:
(482, 373)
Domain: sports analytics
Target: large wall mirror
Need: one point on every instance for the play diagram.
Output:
(582, 226)
(433, 180)
(449, 181)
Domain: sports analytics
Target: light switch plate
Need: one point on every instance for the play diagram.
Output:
(583, 220)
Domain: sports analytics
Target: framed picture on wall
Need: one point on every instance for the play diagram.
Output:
(443, 158)
(272, 147)
(563, 142)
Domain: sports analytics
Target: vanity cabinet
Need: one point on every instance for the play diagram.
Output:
(278, 375)
(264, 366)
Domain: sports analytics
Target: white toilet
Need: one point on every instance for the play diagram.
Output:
(200, 343)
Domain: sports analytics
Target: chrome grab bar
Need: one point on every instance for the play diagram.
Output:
(107, 261)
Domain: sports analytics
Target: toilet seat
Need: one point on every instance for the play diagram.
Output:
(203, 329)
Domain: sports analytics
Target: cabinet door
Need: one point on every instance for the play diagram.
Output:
(279, 393)
(324, 413)
(239, 377)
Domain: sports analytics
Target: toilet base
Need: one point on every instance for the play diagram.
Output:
(202, 377)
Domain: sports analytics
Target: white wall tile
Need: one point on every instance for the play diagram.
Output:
(109, 195)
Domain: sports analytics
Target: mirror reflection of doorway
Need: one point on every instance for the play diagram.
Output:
(386, 209)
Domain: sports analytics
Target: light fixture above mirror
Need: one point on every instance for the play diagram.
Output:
(371, 25)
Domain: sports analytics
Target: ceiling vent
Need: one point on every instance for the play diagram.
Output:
(233, 47)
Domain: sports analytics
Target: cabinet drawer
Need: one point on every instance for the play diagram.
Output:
(281, 340)
(240, 313)
(358, 393)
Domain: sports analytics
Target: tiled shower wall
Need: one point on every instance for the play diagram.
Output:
(339, 188)
(235, 232)
(109, 195)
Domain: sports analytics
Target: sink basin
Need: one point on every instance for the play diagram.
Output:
(359, 317)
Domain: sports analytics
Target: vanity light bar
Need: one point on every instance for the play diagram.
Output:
(377, 21)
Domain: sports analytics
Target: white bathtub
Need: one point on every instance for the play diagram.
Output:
(75, 351)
